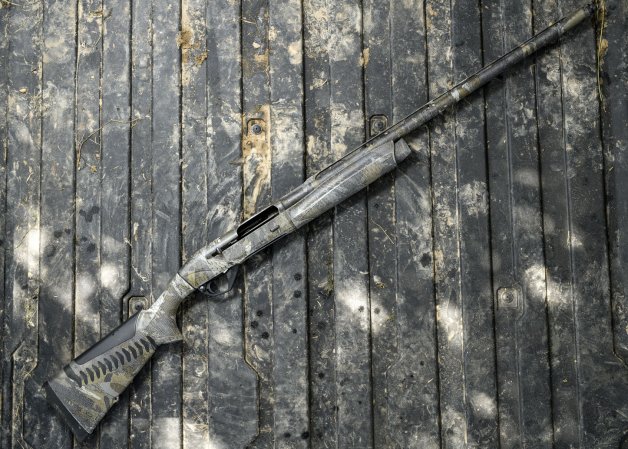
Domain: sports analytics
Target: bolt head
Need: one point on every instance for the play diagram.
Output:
(507, 296)
(256, 128)
(377, 124)
(137, 303)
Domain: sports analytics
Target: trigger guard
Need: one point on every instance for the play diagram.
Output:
(232, 275)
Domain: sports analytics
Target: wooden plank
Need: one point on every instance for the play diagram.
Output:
(5, 368)
(474, 238)
(195, 320)
(565, 412)
(339, 324)
(115, 258)
(516, 226)
(584, 367)
(413, 377)
(166, 129)
(23, 157)
(290, 357)
(88, 173)
(445, 222)
(376, 60)
(321, 309)
(464, 300)
(56, 232)
(600, 372)
(141, 212)
(614, 81)
(256, 194)
(232, 383)
(350, 254)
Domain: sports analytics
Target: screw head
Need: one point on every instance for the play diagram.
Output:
(507, 297)
(256, 128)
(137, 303)
(377, 124)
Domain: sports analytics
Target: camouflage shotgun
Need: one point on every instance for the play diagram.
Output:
(89, 385)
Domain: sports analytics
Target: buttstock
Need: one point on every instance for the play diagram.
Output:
(90, 385)
(86, 388)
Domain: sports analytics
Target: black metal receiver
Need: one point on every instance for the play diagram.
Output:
(90, 384)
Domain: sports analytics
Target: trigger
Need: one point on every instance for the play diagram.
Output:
(212, 289)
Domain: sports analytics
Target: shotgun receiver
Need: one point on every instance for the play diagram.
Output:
(89, 385)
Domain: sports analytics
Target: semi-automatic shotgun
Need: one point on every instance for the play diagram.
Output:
(90, 384)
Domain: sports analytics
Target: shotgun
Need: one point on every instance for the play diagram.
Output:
(85, 389)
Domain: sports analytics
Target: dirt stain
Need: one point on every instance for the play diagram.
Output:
(256, 157)
(200, 58)
(184, 39)
(366, 54)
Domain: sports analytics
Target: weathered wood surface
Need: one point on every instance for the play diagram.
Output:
(474, 298)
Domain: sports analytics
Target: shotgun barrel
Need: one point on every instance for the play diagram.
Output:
(463, 89)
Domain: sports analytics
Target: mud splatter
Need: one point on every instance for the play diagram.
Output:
(184, 39)
(366, 54)
(256, 157)
(473, 197)
(200, 58)
(296, 55)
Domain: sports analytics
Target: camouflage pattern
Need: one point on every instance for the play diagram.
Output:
(84, 393)
(86, 388)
